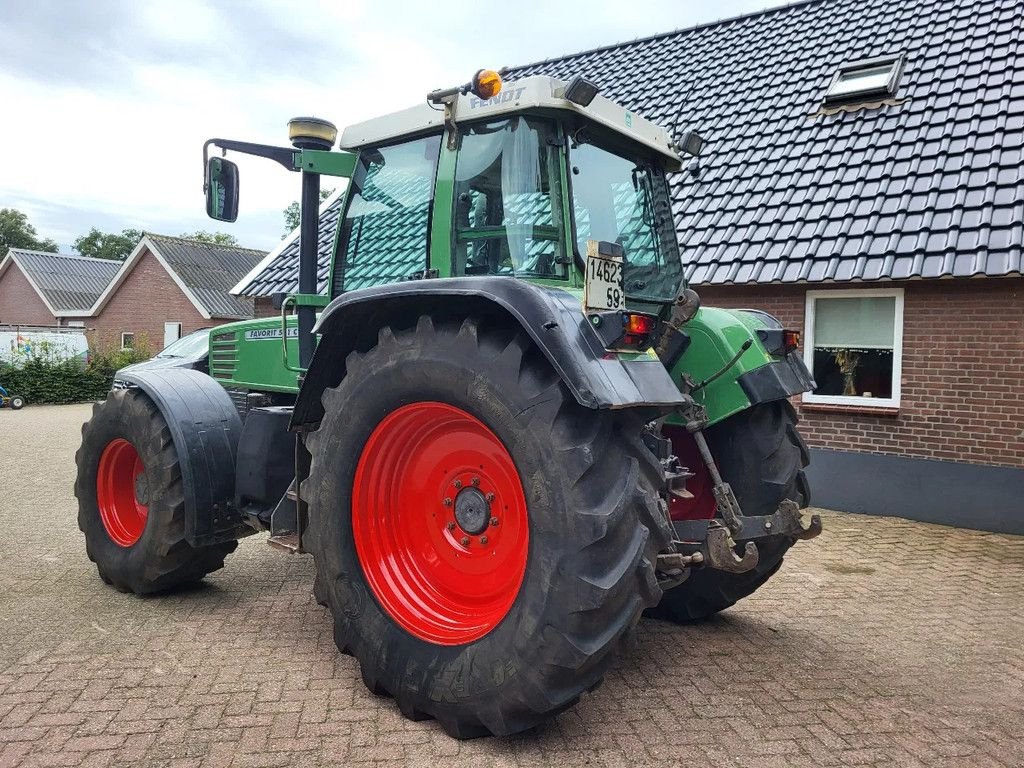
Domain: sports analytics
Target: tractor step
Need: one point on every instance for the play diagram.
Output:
(286, 542)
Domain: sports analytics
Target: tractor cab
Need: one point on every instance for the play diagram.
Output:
(515, 185)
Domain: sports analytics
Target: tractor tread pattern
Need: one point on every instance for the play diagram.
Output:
(166, 560)
(603, 576)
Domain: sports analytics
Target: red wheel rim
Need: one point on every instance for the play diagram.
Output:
(120, 481)
(703, 505)
(429, 476)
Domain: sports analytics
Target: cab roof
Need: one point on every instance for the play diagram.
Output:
(531, 94)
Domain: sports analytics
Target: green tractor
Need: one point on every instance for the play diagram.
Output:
(506, 431)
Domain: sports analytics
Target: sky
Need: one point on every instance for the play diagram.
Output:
(106, 104)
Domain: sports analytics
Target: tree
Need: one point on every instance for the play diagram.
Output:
(292, 214)
(108, 245)
(16, 232)
(213, 238)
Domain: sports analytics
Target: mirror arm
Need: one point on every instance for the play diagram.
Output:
(283, 155)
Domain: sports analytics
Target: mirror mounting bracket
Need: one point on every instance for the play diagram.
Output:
(283, 155)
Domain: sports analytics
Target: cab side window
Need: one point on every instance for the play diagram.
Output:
(508, 201)
(384, 233)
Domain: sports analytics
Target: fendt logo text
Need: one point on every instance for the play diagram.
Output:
(501, 98)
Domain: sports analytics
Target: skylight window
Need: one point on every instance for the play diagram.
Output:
(866, 79)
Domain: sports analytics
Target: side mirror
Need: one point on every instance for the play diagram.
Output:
(221, 189)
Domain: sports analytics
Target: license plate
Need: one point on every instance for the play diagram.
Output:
(603, 289)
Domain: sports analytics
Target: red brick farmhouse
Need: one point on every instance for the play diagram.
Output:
(51, 289)
(166, 288)
(862, 180)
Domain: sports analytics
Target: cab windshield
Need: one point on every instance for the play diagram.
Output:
(626, 201)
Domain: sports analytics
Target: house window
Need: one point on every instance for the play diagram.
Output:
(866, 79)
(127, 341)
(854, 346)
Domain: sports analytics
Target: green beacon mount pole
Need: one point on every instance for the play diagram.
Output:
(309, 133)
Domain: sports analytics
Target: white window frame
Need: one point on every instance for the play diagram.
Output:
(127, 333)
(895, 63)
(897, 347)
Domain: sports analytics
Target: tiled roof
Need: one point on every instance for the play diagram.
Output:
(382, 251)
(210, 272)
(67, 283)
(930, 186)
(281, 274)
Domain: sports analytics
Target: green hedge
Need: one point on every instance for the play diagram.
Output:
(42, 379)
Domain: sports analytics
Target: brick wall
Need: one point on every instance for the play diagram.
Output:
(146, 299)
(963, 371)
(265, 308)
(19, 302)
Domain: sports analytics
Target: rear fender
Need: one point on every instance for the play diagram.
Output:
(716, 336)
(552, 317)
(205, 427)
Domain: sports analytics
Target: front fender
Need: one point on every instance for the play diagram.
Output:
(205, 427)
(552, 317)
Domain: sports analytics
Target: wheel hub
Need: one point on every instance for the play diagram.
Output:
(472, 512)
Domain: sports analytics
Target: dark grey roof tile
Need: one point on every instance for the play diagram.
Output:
(68, 283)
(751, 84)
(210, 272)
(281, 275)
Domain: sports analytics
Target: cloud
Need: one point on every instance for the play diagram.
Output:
(107, 103)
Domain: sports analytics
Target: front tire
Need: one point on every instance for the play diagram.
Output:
(489, 628)
(762, 456)
(131, 506)
(17, 402)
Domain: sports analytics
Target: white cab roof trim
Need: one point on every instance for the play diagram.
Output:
(516, 96)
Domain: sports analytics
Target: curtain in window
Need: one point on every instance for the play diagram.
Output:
(520, 181)
(855, 323)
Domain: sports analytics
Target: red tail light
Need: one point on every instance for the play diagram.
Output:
(790, 340)
(639, 325)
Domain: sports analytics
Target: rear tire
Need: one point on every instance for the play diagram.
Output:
(592, 523)
(17, 402)
(138, 544)
(761, 455)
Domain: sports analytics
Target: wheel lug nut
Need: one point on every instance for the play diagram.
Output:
(483, 540)
(457, 483)
(490, 497)
(494, 521)
(447, 501)
(476, 481)
(465, 541)
(451, 525)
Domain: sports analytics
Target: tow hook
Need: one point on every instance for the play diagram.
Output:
(721, 551)
(807, 526)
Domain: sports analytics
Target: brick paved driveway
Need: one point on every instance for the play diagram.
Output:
(883, 642)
